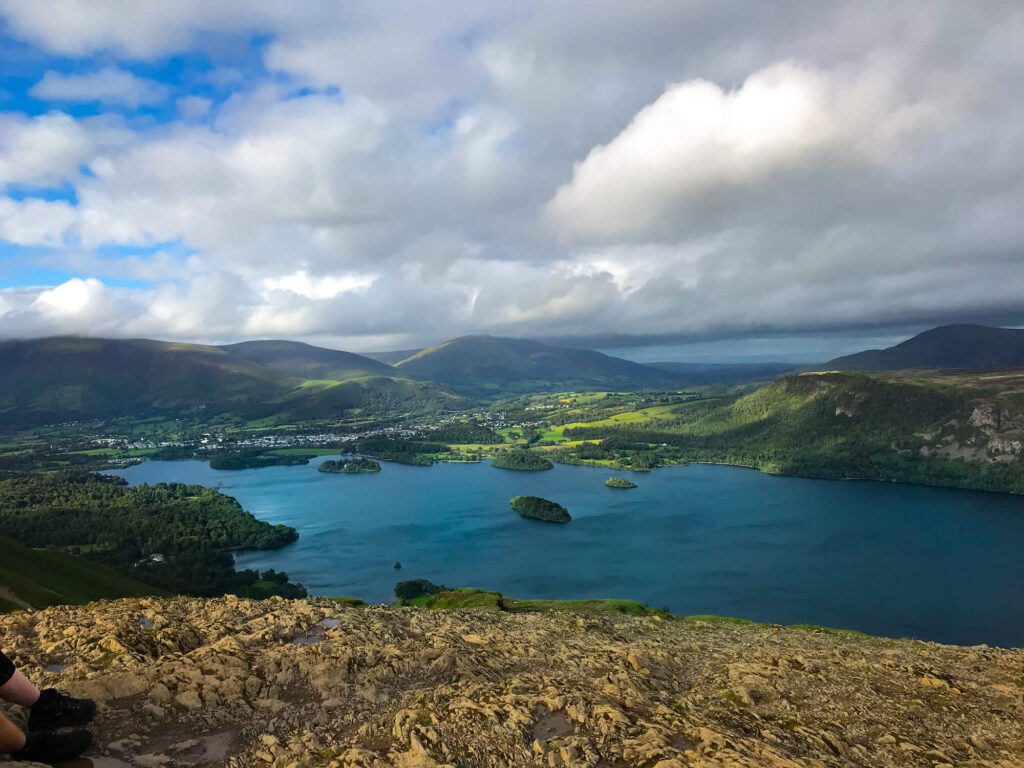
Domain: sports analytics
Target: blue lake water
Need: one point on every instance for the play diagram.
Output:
(888, 559)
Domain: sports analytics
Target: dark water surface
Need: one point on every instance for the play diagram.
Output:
(896, 560)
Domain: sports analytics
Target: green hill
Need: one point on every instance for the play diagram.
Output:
(956, 429)
(38, 578)
(45, 381)
(304, 361)
(369, 396)
(520, 365)
(393, 357)
(64, 378)
(949, 346)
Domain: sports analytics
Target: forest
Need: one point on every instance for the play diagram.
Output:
(176, 537)
(349, 466)
(521, 460)
(400, 450)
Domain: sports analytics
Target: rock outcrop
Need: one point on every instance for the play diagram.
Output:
(294, 684)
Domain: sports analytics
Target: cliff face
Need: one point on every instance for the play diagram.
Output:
(196, 682)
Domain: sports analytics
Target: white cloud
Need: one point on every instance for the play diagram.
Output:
(107, 86)
(42, 150)
(698, 141)
(75, 298)
(35, 222)
(327, 287)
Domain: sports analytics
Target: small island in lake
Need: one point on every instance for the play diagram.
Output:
(521, 460)
(350, 466)
(536, 508)
(619, 482)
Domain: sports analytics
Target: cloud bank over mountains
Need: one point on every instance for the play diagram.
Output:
(374, 174)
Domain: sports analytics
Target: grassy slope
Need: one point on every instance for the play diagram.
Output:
(367, 396)
(43, 577)
(479, 599)
(845, 425)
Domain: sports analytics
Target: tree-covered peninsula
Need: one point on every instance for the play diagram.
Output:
(536, 508)
(521, 460)
(349, 466)
(176, 537)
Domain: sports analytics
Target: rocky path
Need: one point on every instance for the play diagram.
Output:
(187, 682)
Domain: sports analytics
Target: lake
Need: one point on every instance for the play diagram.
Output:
(883, 558)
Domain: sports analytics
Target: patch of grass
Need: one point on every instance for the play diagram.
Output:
(318, 384)
(489, 600)
(348, 602)
(709, 619)
(465, 598)
(631, 607)
(829, 630)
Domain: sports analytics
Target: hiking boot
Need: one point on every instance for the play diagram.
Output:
(50, 748)
(55, 709)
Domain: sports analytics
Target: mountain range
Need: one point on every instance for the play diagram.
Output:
(948, 346)
(70, 378)
(496, 363)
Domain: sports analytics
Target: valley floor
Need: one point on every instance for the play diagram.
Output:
(222, 681)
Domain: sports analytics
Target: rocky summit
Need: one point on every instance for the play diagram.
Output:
(319, 682)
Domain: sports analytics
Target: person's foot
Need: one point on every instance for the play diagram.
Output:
(55, 709)
(50, 748)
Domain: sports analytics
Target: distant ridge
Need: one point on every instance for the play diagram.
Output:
(70, 378)
(948, 346)
(726, 373)
(495, 363)
(392, 358)
(59, 379)
(305, 361)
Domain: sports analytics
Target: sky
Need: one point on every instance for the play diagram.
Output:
(669, 179)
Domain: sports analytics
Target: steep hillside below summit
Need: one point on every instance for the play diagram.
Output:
(36, 578)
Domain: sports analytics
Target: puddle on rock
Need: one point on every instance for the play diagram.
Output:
(682, 743)
(330, 623)
(144, 623)
(174, 747)
(552, 725)
(306, 640)
(57, 667)
(205, 749)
